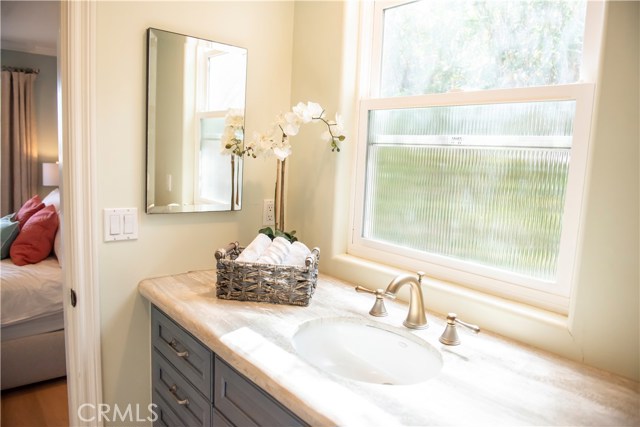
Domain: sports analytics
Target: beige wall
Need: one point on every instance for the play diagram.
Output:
(604, 327)
(170, 244)
(318, 182)
(607, 319)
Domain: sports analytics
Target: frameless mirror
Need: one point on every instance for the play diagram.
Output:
(192, 85)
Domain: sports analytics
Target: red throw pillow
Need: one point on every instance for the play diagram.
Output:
(35, 240)
(27, 210)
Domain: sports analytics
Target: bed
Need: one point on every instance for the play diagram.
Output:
(31, 321)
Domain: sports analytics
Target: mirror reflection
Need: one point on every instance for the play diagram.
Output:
(193, 85)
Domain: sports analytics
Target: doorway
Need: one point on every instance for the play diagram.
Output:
(76, 106)
(33, 349)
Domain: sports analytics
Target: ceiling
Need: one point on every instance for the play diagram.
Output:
(30, 26)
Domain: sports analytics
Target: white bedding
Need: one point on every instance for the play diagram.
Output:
(39, 325)
(31, 291)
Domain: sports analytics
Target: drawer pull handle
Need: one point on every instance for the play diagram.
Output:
(173, 344)
(173, 390)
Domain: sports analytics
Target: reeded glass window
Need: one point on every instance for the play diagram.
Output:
(473, 142)
(480, 183)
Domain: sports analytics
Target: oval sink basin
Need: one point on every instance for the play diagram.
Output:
(367, 351)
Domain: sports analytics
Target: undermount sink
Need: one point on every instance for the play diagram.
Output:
(367, 351)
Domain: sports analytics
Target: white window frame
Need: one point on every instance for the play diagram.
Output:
(554, 296)
(203, 84)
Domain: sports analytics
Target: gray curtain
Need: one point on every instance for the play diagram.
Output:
(19, 146)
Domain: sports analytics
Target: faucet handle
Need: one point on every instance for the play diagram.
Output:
(378, 309)
(450, 334)
(420, 275)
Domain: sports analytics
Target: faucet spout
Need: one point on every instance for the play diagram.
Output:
(416, 318)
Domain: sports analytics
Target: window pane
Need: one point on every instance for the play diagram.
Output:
(226, 87)
(214, 177)
(436, 46)
(480, 183)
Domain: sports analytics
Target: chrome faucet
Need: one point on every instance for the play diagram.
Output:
(416, 318)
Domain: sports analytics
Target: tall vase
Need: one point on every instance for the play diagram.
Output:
(280, 194)
(233, 182)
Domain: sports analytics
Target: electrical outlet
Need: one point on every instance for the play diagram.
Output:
(268, 212)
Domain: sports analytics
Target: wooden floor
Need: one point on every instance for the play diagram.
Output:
(39, 405)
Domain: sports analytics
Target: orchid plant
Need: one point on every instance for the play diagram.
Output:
(233, 133)
(276, 142)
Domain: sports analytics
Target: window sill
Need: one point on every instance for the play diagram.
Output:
(517, 321)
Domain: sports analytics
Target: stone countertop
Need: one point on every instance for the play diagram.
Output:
(486, 380)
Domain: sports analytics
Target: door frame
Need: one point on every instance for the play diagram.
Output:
(77, 106)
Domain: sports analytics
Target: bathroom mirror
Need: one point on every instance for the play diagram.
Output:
(193, 84)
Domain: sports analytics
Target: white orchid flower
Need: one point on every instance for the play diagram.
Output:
(227, 139)
(282, 153)
(282, 147)
(315, 110)
(338, 127)
(229, 133)
(337, 130)
(251, 143)
(301, 111)
(326, 136)
(291, 124)
(276, 140)
(234, 118)
(308, 112)
(260, 144)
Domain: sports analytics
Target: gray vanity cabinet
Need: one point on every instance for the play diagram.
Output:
(193, 387)
(245, 404)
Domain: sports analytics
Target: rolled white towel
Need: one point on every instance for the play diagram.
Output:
(277, 252)
(297, 254)
(256, 248)
(281, 242)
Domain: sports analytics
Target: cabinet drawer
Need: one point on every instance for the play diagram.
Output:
(173, 391)
(245, 404)
(187, 354)
(219, 420)
(165, 417)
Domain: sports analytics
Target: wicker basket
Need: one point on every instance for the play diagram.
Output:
(276, 284)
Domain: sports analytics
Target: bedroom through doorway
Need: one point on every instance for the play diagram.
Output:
(33, 344)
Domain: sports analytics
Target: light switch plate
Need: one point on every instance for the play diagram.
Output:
(120, 224)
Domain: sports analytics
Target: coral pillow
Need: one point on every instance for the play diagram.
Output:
(27, 210)
(35, 240)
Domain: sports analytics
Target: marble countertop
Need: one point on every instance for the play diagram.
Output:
(486, 380)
